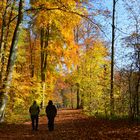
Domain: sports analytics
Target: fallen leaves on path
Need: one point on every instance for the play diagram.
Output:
(72, 125)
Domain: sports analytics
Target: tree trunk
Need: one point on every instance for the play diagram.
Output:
(2, 41)
(44, 54)
(82, 101)
(137, 94)
(112, 62)
(3, 102)
(78, 96)
(11, 61)
(31, 57)
(71, 97)
(76, 36)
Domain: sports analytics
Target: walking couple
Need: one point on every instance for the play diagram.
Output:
(51, 112)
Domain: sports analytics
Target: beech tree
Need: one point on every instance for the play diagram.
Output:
(55, 33)
(12, 56)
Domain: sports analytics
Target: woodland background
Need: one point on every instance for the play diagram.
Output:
(61, 50)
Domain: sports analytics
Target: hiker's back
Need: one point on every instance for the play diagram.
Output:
(51, 111)
(34, 109)
(34, 113)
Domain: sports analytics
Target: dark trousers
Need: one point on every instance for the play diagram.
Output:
(51, 123)
(34, 119)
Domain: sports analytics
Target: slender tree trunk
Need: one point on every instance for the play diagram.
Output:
(76, 34)
(78, 96)
(43, 93)
(131, 114)
(112, 62)
(2, 41)
(44, 54)
(31, 57)
(82, 101)
(137, 50)
(5, 35)
(11, 61)
(71, 98)
(3, 102)
(137, 93)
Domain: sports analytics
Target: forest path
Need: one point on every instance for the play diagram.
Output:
(72, 125)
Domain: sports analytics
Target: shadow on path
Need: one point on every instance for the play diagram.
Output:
(72, 125)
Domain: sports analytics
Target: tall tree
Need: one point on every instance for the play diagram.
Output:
(112, 60)
(56, 34)
(11, 61)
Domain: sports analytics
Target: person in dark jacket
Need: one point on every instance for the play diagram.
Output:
(34, 112)
(51, 112)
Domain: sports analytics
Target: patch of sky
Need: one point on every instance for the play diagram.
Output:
(123, 30)
(26, 18)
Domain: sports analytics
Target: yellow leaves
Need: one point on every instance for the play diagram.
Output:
(41, 3)
(97, 52)
(93, 75)
(62, 23)
(99, 47)
(55, 48)
(2, 5)
(44, 16)
(42, 19)
(71, 55)
(64, 16)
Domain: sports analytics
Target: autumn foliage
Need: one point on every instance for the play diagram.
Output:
(55, 49)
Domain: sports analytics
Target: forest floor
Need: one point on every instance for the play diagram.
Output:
(72, 125)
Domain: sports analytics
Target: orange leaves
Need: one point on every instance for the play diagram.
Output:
(53, 26)
(99, 48)
(43, 17)
(61, 22)
(59, 13)
(55, 49)
(71, 56)
(40, 22)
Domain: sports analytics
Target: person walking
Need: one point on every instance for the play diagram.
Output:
(51, 113)
(34, 113)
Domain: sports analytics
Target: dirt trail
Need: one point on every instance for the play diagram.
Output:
(72, 125)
